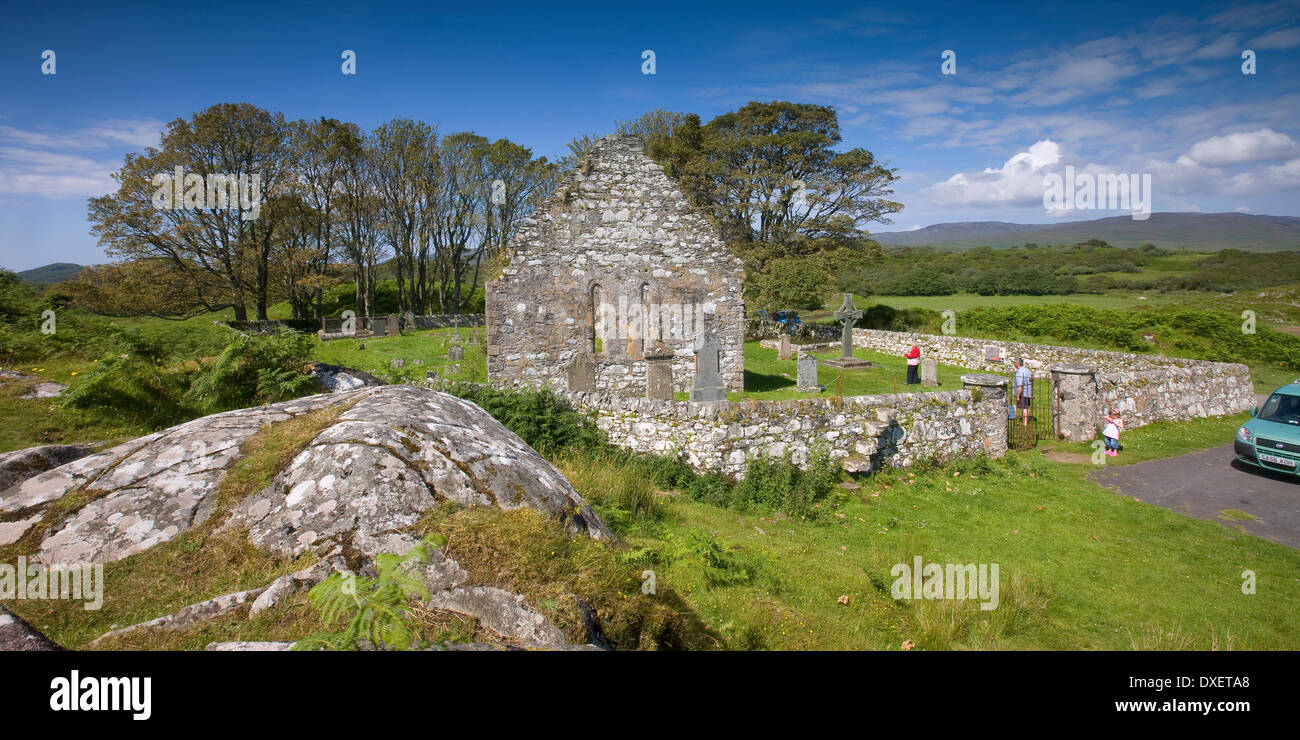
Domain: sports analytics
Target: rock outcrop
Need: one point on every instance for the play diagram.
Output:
(353, 492)
(19, 465)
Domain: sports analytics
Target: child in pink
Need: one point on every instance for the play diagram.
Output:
(1114, 424)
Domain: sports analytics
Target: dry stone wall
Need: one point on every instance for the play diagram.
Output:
(863, 432)
(1146, 388)
(616, 257)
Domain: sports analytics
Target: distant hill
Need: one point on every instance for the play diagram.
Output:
(1203, 232)
(53, 273)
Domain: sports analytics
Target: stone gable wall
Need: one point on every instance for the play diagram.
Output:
(625, 228)
(862, 432)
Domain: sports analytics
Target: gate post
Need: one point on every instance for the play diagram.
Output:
(993, 389)
(1074, 402)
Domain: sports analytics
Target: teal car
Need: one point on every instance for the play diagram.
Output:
(1271, 438)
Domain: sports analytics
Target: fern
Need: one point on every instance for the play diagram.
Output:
(375, 609)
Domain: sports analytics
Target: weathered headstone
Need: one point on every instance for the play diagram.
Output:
(659, 374)
(390, 326)
(929, 371)
(399, 363)
(456, 352)
(807, 374)
(582, 373)
(709, 385)
(847, 314)
(417, 361)
(992, 354)
(408, 319)
(783, 352)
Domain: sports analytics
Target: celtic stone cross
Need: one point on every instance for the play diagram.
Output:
(847, 315)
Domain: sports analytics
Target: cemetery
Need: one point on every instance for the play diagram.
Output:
(620, 296)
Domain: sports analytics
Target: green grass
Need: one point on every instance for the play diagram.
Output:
(429, 346)
(42, 421)
(1080, 568)
(1164, 439)
(769, 378)
(967, 301)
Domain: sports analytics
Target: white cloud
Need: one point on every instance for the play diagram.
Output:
(1019, 181)
(39, 162)
(1285, 38)
(1241, 147)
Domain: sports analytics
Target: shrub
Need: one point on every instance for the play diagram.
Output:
(255, 369)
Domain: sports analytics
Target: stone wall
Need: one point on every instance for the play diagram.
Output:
(1145, 388)
(1174, 393)
(864, 433)
(447, 321)
(615, 254)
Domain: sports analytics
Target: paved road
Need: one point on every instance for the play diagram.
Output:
(1202, 484)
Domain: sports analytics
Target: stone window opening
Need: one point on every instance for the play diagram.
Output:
(596, 319)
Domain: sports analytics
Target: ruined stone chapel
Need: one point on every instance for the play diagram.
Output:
(615, 267)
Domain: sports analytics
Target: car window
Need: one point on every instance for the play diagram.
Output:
(1282, 408)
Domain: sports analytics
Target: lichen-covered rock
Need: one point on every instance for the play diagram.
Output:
(147, 491)
(388, 459)
(19, 465)
(362, 480)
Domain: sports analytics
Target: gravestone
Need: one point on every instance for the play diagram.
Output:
(390, 326)
(992, 354)
(399, 363)
(783, 353)
(417, 361)
(709, 385)
(847, 315)
(456, 352)
(582, 373)
(807, 377)
(659, 373)
(929, 371)
(408, 319)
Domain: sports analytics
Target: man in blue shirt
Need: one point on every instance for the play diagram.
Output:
(1023, 384)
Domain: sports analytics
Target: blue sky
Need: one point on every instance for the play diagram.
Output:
(1105, 87)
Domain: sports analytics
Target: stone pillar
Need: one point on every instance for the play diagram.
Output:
(990, 411)
(990, 386)
(1074, 403)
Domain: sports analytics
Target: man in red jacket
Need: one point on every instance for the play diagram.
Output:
(913, 358)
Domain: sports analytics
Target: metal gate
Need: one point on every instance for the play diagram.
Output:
(1035, 422)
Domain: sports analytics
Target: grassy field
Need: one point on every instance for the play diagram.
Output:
(428, 347)
(1079, 567)
(769, 378)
